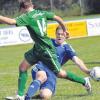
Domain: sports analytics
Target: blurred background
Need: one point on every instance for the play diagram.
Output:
(62, 8)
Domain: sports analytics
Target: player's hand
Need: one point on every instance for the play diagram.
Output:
(66, 34)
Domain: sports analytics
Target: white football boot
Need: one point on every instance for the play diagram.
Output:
(88, 85)
(17, 97)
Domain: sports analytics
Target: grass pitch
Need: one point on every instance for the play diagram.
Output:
(88, 49)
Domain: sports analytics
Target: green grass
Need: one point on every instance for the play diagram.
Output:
(88, 49)
(82, 17)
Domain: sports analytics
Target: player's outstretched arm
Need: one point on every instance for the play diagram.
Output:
(62, 24)
(81, 64)
(7, 20)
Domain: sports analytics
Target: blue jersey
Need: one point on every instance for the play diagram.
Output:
(64, 52)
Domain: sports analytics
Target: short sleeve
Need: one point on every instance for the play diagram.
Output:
(21, 20)
(49, 15)
(70, 51)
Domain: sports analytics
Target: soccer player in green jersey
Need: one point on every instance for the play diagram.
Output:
(43, 50)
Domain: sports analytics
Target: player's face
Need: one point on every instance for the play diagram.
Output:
(60, 36)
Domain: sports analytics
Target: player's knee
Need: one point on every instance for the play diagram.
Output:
(46, 97)
(62, 74)
(45, 94)
(41, 75)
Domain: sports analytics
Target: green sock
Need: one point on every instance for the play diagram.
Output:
(21, 82)
(75, 78)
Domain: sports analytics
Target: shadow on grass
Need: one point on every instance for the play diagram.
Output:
(57, 97)
(66, 97)
(36, 97)
(63, 97)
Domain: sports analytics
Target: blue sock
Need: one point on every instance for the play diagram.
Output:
(33, 88)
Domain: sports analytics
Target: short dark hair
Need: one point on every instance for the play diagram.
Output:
(58, 28)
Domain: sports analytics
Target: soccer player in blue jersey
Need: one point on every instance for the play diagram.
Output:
(47, 79)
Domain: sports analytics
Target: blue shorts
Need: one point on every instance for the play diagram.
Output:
(51, 77)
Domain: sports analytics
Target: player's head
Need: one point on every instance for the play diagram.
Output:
(25, 5)
(60, 38)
